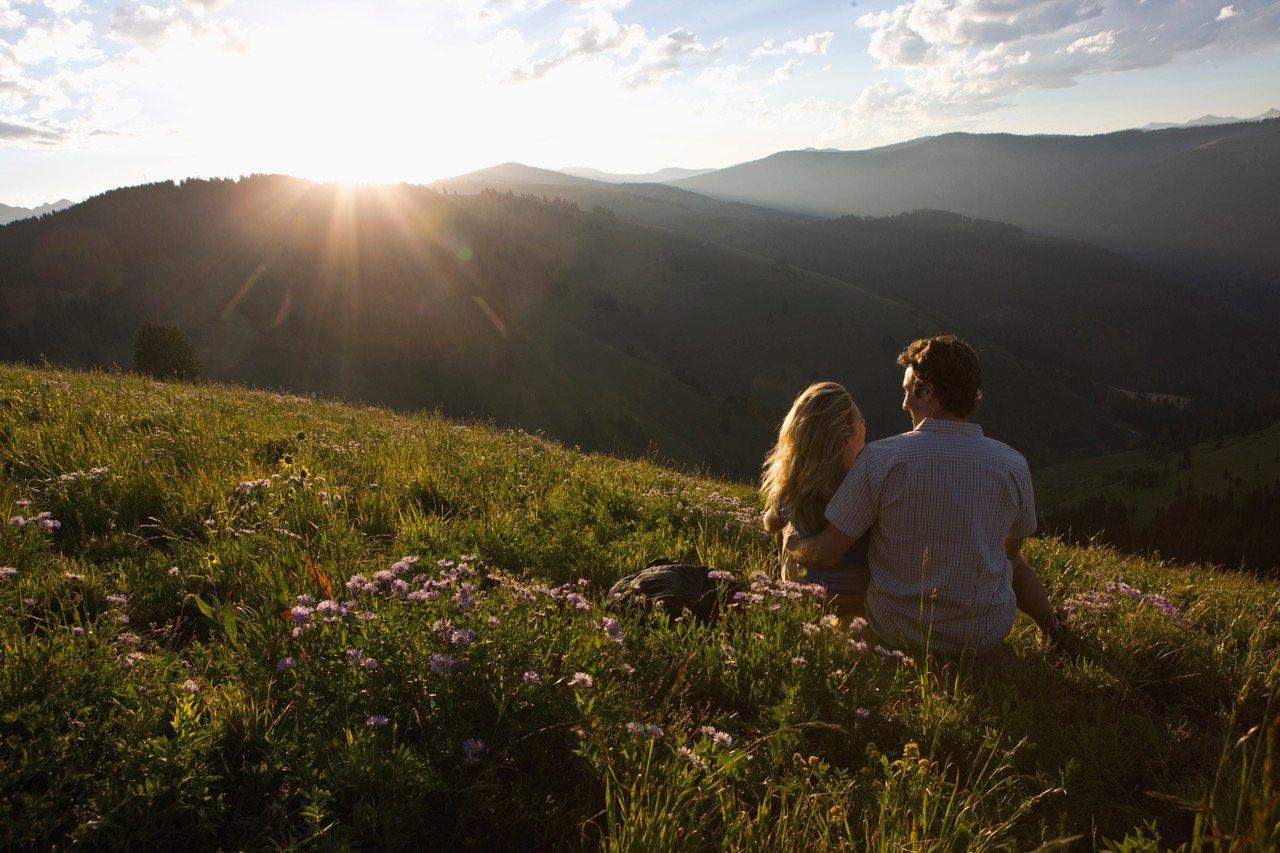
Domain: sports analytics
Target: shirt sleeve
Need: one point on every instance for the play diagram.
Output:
(852, 509)
(1024, 524)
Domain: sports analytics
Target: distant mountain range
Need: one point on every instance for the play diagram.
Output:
(1209, 120)
(661, 176)
(9, 213)
(1202, 200)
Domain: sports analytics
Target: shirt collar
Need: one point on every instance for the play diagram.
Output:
(946, 425)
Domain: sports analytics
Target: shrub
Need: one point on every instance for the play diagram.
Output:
(164, 352)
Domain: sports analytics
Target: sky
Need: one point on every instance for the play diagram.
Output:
(97, 95)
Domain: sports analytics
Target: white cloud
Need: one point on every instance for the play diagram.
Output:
(145, 25)
(1096, 43)
(813, 45)
(601, 35)
(10, 18)
(785, 72)
(961, 58)
(767, 49)
(722, 78)
(61, 41)
(667, 56)
(810, 45)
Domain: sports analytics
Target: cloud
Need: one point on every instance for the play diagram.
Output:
(27, 134)
(1096, 43)
(144, 25)
(767, 49)
(601, 35)
(667, 56)
(10, 18)
(785, 72)
(814, 45)
(962, 58)
(811, 45)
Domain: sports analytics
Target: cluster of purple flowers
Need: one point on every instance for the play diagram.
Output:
(360, 659)
(1099, 601)
(764, 588)
(443, 664)
(687, 755)
(719, 738)
(727, 511)
(895, 654)
(651, 730)
(249, 485)
(76, 476)
(44, 520)
(307, 614)
(451, 635)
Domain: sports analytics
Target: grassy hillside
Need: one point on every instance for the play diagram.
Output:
(243, 620)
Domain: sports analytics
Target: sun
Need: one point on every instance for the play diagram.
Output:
(338, 100)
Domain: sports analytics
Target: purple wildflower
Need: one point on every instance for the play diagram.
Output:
(132, 658)
(7, 572)
(687, 754)
(581, 679)
(532, 677)
(191, 686)
(809, 629)
(472, 749)
(118, 599)
(286, 663)
(720, 575)
(127, 639)
(77, 631)
(376, 721)
(863, 712)
(444, 664)
(173, 571)
(612, 629)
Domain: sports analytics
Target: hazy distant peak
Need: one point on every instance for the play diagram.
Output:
(9, 213)
(517, 174)
(1211, 120)
(662, 176)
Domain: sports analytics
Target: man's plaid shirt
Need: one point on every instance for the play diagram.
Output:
(940, 502)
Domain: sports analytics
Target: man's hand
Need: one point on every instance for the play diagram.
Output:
(820, 551)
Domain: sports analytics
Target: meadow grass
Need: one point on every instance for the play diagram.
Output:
(236, 619)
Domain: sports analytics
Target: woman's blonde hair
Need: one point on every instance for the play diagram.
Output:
(805, 467)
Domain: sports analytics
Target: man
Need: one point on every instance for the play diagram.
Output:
(947, 508)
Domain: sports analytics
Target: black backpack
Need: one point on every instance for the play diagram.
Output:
(670, 587)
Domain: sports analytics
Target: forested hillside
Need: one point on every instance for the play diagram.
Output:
(536, 313)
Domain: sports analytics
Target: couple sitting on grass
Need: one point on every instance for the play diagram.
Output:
(921, 532)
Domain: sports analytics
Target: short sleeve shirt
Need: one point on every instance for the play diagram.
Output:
(940, 501)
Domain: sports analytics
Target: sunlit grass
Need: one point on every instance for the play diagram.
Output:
(236, 619)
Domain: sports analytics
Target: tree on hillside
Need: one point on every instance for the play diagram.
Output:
(164, 352)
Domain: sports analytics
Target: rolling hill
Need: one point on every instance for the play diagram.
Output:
(1202, 199)
(600, 332)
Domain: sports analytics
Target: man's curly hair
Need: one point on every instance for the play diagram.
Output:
(951, 366)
